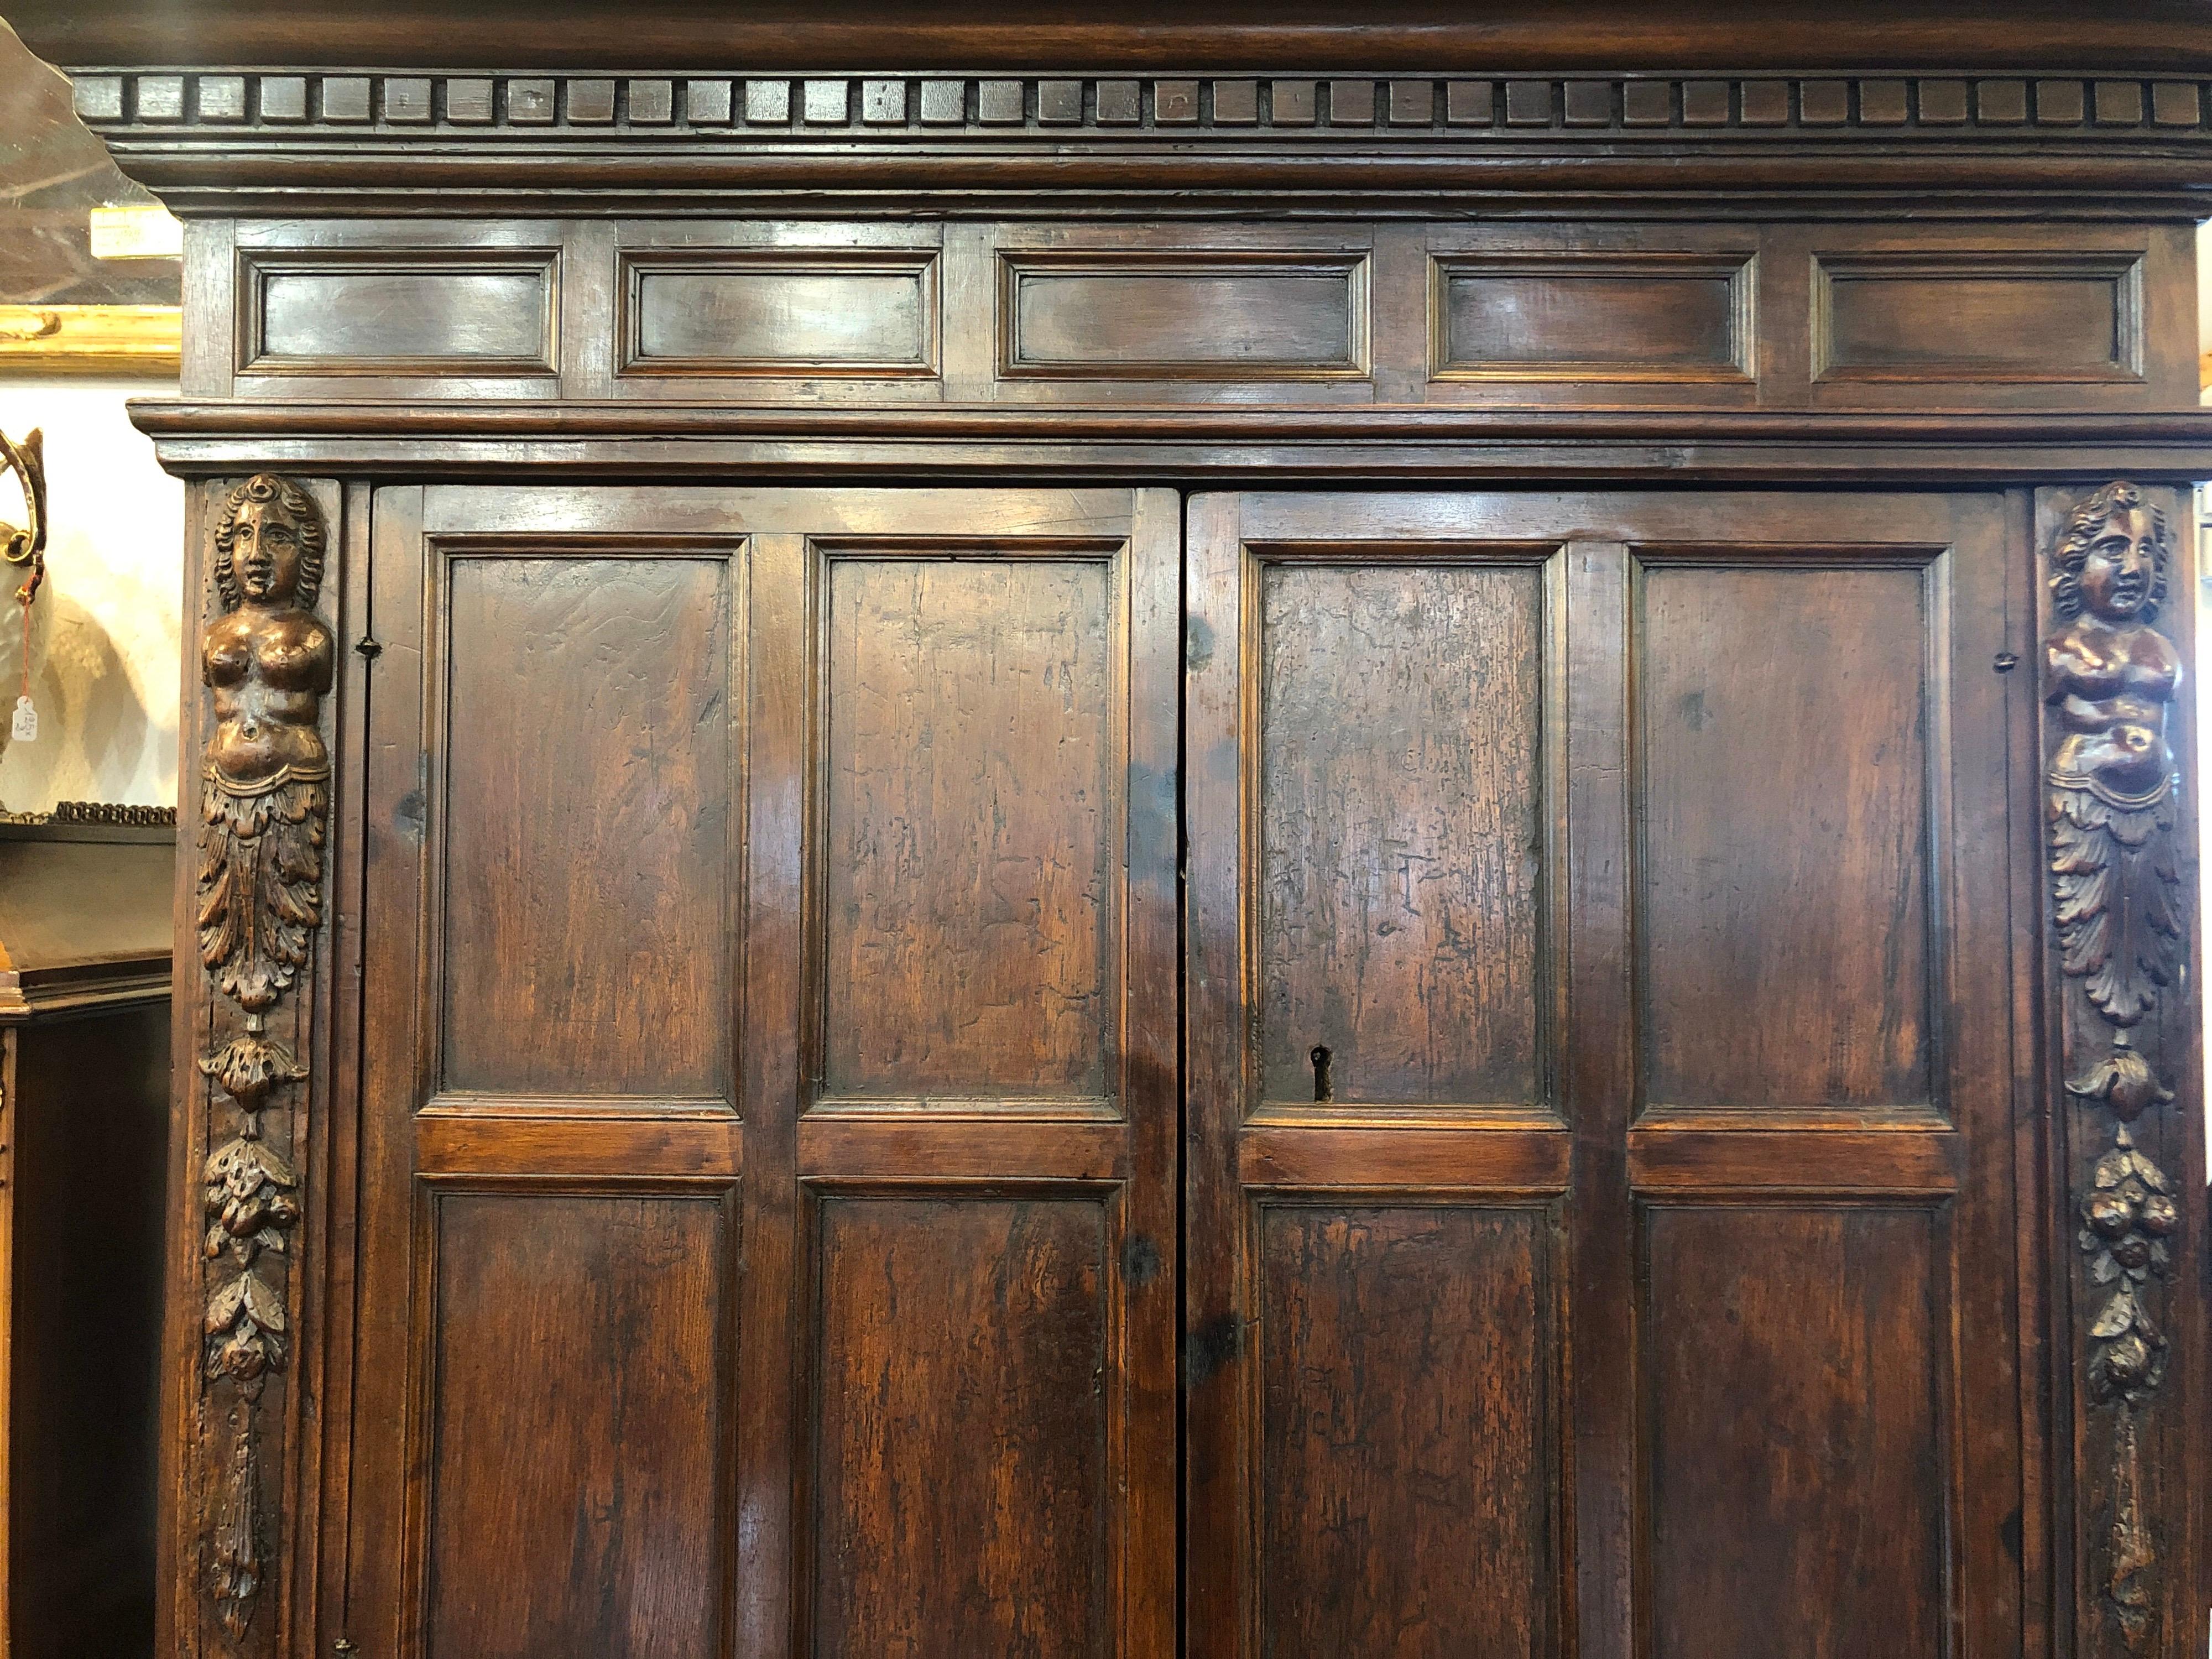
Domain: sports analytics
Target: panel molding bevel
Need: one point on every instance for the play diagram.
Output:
(823, 552)
(2120, 267)
(1739, 269)
(1948, 1367)
(1551, 1344)
(441, 549)
(419, 1432)
(817, 1194)
(1018, 266)
(257, 265)
(1548, 558)
(1932, 563)
(634, 264)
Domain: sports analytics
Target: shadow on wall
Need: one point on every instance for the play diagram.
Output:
(93, 727)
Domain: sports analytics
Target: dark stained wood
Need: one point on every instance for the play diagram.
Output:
(84, 1079)
(1603, 318)
(1400, 830)
(1592, 318)
(796, 316)
(1870, 651)
(668, 948)
(1374, 683)
(1598, 1092)
(1963, 318)
(1311, 35)
(2114, 647)
(310, 317)
(589, 1335)
(1576, 488)
(969, 831)
(586, 822)
(1794, 1409)
(1182, 315)
(960, 1423)
(1782, 774)
(1384, 1501)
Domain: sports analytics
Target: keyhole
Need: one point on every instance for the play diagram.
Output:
(1324, 1085)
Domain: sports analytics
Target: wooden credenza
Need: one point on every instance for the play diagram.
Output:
(1202, 835)
(84, 1084)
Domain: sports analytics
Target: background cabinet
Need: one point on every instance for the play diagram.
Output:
(84, 1075)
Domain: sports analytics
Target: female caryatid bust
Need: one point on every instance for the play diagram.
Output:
(2111, 677)
(268, 659)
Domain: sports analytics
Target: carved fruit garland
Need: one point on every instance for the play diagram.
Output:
(2109, 677)
(267, 660)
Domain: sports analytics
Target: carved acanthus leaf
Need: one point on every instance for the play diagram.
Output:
(2117, 906)
(2114, 881)
(264, 802)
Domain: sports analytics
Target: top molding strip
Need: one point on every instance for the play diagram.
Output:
(2172, 39)
(128, 106)
(293, 142)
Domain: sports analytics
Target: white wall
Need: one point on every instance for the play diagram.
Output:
(106, 626)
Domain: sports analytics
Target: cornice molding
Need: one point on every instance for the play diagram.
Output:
(475, 440)
(125, 105)
(1144, 37)
(333, 141)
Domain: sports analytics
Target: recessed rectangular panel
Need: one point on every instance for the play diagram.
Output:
(971, 812)
(1782, 804)
(577, 1480)
(962, 1479)
(782, 314)
(376, 314)
(1656, 319)
(1797, 1475)
(1187, 317)
(1401, 820)
(1408, 1466)
(2054, 316)
(589, 796)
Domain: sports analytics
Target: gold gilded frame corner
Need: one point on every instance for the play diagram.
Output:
(90, 339)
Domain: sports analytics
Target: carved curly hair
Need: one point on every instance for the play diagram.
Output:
(2084, 526)
(306, 516)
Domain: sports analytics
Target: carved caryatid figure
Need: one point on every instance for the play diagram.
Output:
(267, 774)
(2111, 677)
(267, 660)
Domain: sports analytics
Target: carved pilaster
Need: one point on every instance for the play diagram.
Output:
(2113, 796)
(267, 661)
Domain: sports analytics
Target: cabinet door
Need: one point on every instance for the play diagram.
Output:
(1601, 1067)
(768, 1228)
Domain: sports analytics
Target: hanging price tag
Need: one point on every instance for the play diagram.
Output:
(24, 727)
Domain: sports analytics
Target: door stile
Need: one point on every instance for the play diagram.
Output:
(1598, 1089)
(394, 814)
(321, 1611)
(1217, 1611)
(769, 1449)
(1151, 1265)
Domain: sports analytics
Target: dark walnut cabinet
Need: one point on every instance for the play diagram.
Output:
(85, 1044)
(1308, 833)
